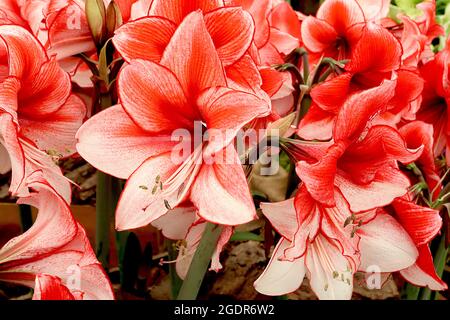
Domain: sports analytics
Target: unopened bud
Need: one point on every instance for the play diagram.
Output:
(113, 18)
(96, 18)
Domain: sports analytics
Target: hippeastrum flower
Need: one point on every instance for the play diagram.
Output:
(250, 36)
(133, 140)
(436, 99)
(62, 28)
(56, 245)
(184, 224)
(36, 105)
(329, 244)
(365, 170)
(335, 29)
(373, 69)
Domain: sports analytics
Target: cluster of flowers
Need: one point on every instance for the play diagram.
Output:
(365, 100)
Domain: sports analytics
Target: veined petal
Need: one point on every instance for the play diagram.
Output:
(10, 141)
(225, 112)
(421, 223)
(146, 38)
(361, 107)
(387, 185)
(199, 67)
(145, 83)
(384, 243)
(317, 35)
(221, 193)
(149, 192)
(54, 226)
(309, 214)
(332, 94)
(319, 177)
(25, 54)
(341, 14)
(177, 10)
(423, 273)
(113, 143)
(64, 123)
(231, 30)
(46, 92)
(377, 51)
(281, 276)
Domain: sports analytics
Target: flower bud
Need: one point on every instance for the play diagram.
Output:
(96, 18)
(113, 18)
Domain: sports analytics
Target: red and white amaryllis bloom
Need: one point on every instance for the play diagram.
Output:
(329, 244)
(250, 36)
(55, 245)
(61, 27)
(134, 140)
(373, 71)
(38, 113)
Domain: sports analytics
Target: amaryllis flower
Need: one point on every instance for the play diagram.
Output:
(365, 171)
(373, 69)
(39, 116)
(329, 244)
(55, 245)
(249, 36)
(436, 98)
(184, 224)
(133, 140)
(335, 29)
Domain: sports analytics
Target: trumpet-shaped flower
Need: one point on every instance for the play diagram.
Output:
(134, 140)
(36, 105)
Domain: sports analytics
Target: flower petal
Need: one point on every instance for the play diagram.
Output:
(225, 112)
(282, 217)
(221, 192)
(421, 223)
(146, 38)
(63, 123)
(423, 273)
(385, 244)
(231, 30)
(281, 277)
(199, 66)
(113, 143)
(48, 287)
(145, 83)
(330, 273)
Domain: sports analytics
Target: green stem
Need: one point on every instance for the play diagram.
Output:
(104, 216)
(199, 265)
(440, 259)
(175, 280)
(26, 218)
(412, 292)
